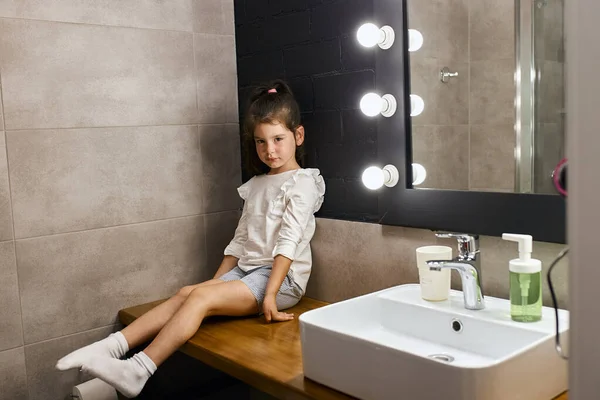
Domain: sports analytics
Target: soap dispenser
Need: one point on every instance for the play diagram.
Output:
(525, 281)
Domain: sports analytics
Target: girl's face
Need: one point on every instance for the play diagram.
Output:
(276, 146)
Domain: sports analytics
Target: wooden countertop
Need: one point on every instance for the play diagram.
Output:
(236, 346)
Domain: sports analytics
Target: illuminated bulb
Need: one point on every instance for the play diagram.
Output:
(415, 40)
(374, 177)
(370, 35)
(417, 105)
(372, 104)
(419, 174)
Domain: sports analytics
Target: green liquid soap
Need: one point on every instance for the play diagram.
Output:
(526, 296)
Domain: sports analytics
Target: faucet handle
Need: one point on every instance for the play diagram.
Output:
(468, 244)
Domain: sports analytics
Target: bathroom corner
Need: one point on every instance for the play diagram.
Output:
(119, 150)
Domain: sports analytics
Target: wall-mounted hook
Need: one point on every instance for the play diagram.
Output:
(445, 74)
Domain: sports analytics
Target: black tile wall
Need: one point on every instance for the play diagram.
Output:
(339, 18)
(302, 60)
(343, 91)
(356, 57)
(259, 67)
(312, 45)
(304, 92)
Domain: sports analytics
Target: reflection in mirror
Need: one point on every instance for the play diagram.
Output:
(487, 93)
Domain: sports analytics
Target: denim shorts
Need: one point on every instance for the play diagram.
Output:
(289, 293)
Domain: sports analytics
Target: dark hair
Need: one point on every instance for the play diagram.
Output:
(266, 106)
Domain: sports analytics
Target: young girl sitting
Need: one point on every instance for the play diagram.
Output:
(266, 266)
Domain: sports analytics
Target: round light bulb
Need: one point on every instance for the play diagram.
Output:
(415, 40)
(373, 178)
(419, 174)
(368, 35)
(371, 104)
(417, 105)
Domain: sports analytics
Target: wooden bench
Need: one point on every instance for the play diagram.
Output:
(265, 356)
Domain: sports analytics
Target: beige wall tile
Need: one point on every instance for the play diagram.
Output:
(445, 103)
(59, 75)
(217, 78)
(13, 378)
(220, 146)
(220, 229)
(492, 157)
(45, 381)
(492, 92)
(492, 29)
(444, 25)
(75, 179)
(173, 15)
(444, 152)
(221, 195)
(214, 16)
(11, 332)
(79, 281)
(355, 258)
(6, 230)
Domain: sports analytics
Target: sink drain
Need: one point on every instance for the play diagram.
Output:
(442, 357)
(457, 325)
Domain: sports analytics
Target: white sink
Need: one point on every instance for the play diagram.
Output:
(380, 346)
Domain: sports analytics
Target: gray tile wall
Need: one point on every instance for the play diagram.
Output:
(476, 39)
(118, 153)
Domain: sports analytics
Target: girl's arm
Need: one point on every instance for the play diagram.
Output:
(300, 208)
(280, 269)
(228, 263)
(234, 250)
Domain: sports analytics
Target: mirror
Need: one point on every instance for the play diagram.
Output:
(487, 93)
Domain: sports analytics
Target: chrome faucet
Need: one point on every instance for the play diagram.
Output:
(468, 265)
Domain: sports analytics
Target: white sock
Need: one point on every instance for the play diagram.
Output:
(127, 376)
(115, 346)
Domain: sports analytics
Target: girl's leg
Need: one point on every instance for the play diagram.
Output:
(231, 298)
(138, 332)
(129, 376)
(149, 324)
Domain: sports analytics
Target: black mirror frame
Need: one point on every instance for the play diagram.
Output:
(485, 213)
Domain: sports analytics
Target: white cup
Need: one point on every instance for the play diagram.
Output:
(435, 285)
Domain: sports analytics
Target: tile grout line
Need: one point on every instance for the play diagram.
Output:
(124, 225)
(195, 75)
(202, 196)
(12, 218)
(51, 21)
(70, 334)
(121, 126)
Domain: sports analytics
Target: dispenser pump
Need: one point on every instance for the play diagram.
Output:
(525, 246)
(523, 264)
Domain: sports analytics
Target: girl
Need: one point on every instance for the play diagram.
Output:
(266, 266)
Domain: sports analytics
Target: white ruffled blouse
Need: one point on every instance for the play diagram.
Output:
(278, 219)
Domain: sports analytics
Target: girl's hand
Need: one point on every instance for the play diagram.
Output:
(271, 312)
